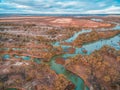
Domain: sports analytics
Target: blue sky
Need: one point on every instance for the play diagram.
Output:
(60, 6)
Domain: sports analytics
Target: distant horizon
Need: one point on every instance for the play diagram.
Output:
(30, 14)
(59, 13)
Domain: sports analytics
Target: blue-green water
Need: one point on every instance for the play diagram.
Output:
(117, 27)
(90, 47)
(68, 55)
(56, 44)
(59, 69)
(16, 49)
(26, 57)
(16, 56)
(71, 39)
(6, 56)
(37, 60)
(113, 42)
(1, 49)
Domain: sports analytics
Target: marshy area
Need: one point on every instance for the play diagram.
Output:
(60, 53)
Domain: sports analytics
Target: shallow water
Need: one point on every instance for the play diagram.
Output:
(6, 56)
(113, 42)
(26, 58)
(37, 60)
(117, 27)
(71, 39)
(59, 69)
(90, 47)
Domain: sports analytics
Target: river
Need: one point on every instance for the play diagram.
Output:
(90, 47)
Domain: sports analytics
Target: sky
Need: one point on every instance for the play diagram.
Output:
(60, 6)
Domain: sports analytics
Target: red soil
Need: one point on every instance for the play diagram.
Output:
(60, 61)
(56, 21)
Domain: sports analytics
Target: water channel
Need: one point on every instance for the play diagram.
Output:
(90, 47)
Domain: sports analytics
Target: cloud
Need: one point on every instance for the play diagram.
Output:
(60, 6)
(23, 6)
(109, 10)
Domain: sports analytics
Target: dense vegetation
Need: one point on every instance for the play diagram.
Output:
(100, 70)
